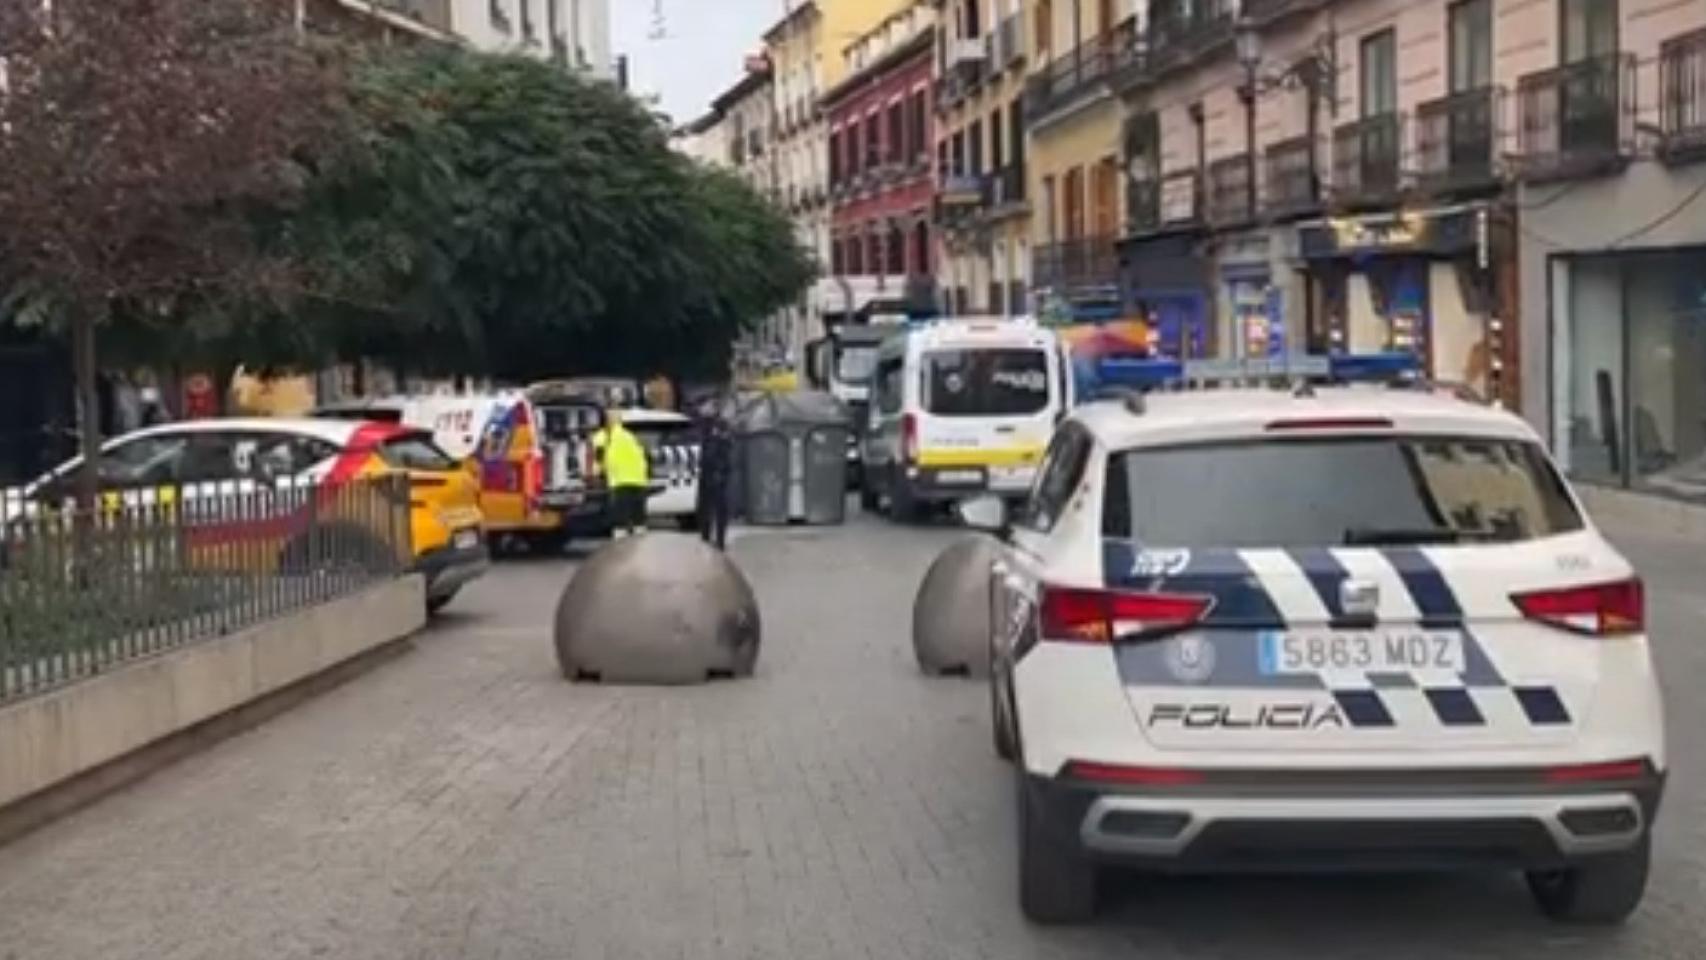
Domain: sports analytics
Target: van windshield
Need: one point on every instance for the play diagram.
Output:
(987, 381)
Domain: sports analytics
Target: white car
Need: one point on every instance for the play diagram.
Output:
(1345, 627)
(672, 445)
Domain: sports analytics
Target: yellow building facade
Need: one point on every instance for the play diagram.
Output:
(984, 201)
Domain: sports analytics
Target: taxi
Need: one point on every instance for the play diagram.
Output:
(277, 461)
(1301, 621)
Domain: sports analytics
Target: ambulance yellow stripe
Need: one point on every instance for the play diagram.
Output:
(981, 457)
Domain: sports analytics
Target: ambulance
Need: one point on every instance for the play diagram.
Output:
(959, 407)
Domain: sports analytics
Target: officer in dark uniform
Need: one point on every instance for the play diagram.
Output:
(716, 466)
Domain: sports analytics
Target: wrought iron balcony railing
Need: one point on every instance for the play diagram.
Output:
(1293, 178)
(1578, 119)
(1457, 140)
(1682, 96)
(1078, 70)
(1080, 262)
(1366, 155)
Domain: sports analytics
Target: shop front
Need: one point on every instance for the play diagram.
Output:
(1628, 363)
(1253, 289)
(1419, 282)
(1165, 281)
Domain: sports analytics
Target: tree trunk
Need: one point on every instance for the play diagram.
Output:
(88, 374)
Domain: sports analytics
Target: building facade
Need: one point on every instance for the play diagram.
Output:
(1079, 51)
(1610, 110)
(879, 121)
(704, 139)
(983, 203)
(571, 32)
(793, 45)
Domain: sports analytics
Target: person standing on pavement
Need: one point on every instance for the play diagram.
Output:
(626, 473)
(716, 465)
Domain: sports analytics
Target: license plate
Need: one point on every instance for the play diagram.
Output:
(466, 539)
(1370, 651)
(960, 476)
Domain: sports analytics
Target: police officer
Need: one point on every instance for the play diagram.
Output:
(716, 465)
(626, 473)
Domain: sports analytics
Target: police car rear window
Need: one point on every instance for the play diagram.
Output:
(1337, 491)
(985, 382)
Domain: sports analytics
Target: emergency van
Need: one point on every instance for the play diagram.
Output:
(960, 407)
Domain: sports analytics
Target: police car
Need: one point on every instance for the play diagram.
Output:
(1302, 624)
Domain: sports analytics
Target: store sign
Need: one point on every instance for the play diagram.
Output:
(1407, 233)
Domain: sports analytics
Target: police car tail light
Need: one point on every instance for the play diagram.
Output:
(1074, 615)
(1130, 776)
(1601, 609)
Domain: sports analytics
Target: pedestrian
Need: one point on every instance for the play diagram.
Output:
(626, 469)
(716, 466)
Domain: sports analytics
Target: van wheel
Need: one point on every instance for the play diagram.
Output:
(903, 508)
(1597, 890)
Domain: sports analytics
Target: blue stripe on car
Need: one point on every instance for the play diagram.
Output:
(1239, 597)
(1433, 597)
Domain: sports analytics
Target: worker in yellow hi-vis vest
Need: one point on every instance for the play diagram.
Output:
(626, 473)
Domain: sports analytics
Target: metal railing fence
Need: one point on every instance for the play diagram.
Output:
(151, 570)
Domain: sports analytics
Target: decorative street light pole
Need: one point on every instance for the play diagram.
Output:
(1248, 41)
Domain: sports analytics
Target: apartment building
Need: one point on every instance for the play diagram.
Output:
(1610, 134)
(1079, 51)
(800, 154)
(574, 33)
(983, 206)
(880, 174)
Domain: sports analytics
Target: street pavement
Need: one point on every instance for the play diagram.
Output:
(464, 801)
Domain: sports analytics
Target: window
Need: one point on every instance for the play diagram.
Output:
(1072, 203)
(996, 147)
(145, 461)
(1589, 29)
(498, 11)
(921, 248)
(1333, 491)
(897, 133)
(974, 29)
(920, 126)
(527, 19)
(1049, 208)
(957, 154)
(873, 250)
(896, 250)
(415, 451)
(873, 142)
(985, 382)
(1379, 74)
(1016, 130)
(890, 384)
(1061, 472)
(942, 157)
(852, 135)
(1104, 197)
(835, 157)
(1042, 24)
(855, 256)
(1471, 45)
(974, 141)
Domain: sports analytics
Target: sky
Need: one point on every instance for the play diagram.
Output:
(701, 52)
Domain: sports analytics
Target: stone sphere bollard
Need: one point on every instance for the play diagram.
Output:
(658, 608)
(950, 617)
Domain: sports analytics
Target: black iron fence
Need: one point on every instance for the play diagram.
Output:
(1366, 156)
(1577, 119)
(1457, 140)
(150, 570)
(1682, 96)
(1293, 184)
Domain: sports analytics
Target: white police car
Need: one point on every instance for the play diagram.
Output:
(1341, 627)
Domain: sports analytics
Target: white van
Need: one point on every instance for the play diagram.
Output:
(961, 407)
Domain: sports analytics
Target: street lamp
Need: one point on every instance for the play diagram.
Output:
(1247, 40)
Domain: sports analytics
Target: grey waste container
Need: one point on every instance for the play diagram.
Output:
(765, 476)
(824, 483)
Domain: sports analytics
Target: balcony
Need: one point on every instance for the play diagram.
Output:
(1366, 155)
(1229, 191)
(1293, 179)
(1080, 262)
(1074, 75)
(1682, 97)
(1577, 120)
(1005, 187)
(1457, 141)
(959, 197)
(1262, 10)
(1007, 43)
(1180, 31)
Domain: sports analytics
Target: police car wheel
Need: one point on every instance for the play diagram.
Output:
(1057, 884)
(1600, 890)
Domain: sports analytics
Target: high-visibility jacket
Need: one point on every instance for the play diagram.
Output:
(623, 456)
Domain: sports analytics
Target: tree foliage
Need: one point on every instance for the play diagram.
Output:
(522, 221)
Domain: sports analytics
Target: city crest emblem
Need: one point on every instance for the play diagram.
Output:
(1191, 658)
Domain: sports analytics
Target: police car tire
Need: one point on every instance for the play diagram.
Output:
(1604, 889)
(1057, 884)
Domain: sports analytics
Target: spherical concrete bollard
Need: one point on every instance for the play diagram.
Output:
(658, 608)
(950, 617)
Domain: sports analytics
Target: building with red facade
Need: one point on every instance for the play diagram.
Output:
(881, 175)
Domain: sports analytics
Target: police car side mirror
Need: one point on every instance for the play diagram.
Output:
(986, 512)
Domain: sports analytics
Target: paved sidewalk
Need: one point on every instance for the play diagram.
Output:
(464, 801)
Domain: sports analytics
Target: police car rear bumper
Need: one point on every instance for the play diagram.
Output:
(1374, 820)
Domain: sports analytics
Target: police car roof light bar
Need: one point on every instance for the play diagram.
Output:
(1285, 371)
